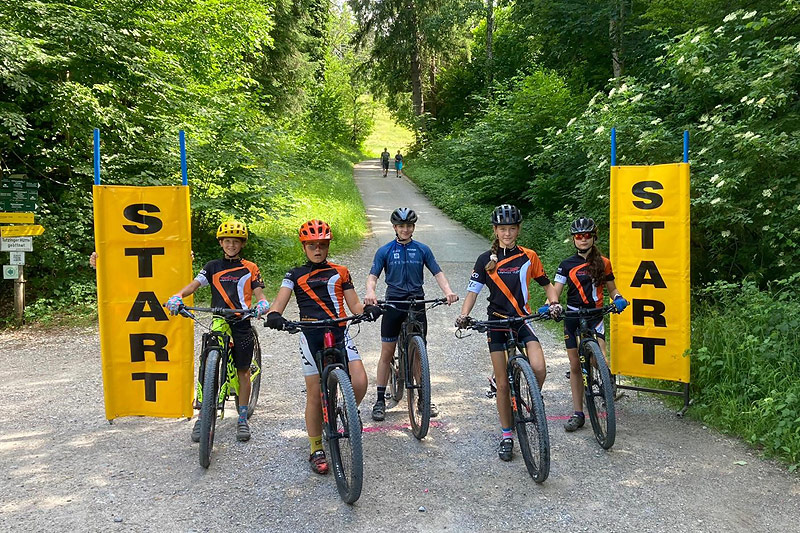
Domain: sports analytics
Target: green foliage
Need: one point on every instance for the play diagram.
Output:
(744, 366)
(265, 89)
(487, 163)
(734, 87)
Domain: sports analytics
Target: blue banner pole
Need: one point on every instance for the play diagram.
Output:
(613, 147)
(184, 173)
(685, 146)
(97, 156)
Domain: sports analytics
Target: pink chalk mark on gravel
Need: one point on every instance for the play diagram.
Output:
(395, 427)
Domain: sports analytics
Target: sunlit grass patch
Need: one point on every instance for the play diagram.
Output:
(386, 134)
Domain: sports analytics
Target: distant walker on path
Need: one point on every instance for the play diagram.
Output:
(398, 164)
(385, 155)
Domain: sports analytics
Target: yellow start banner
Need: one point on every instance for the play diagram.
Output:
(650, 254)
(143, 242)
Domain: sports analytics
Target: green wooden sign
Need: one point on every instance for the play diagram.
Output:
(11, 183)
(19, 195)
(17, 205)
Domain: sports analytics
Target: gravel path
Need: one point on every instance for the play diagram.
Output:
(64, 467)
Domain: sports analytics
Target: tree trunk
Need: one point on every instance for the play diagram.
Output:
(416, 70)
(616, 28)
(489, 52)
(430, 101)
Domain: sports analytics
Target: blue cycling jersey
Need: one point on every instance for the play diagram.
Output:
(404, 268)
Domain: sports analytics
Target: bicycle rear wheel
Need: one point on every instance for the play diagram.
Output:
(255, 377)
(344, 436)
(530, 420)
(208, 411)
(419, 389)
(600, 395)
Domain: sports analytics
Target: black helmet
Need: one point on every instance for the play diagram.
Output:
(403, 215)
(583, 225)
(506, 215)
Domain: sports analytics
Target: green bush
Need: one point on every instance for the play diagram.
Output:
(745, 370)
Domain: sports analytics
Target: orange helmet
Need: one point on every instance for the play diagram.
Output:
(315, 230)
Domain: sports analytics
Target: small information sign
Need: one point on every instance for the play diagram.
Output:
(16, 244)
(17, 258)
(10, 271)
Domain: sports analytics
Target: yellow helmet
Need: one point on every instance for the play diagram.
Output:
(232, 228)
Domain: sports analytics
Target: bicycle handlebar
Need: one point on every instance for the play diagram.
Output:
(243, 314)
(411, 301)
(584, 312)
(297, 325)
(484, 325)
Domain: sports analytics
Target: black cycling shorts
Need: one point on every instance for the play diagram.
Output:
(571, 330)
(392, 321)
(242, 334)
(497, 338)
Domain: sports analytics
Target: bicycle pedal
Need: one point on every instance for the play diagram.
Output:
(491, 394)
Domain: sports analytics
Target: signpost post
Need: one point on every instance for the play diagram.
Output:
(19, 199)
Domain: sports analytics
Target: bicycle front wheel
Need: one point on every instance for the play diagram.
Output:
(600, 395)
(208, 411)
(255, 377)
(344, 436)
(419, 387)
(530, 420)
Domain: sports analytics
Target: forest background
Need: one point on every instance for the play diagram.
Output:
(507, 100)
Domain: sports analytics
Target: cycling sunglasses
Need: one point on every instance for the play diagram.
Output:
(583, 236)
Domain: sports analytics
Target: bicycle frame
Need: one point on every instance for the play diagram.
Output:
(586, 333)
(513, 348)
(328, 359)
(410, 326)
(219, 337)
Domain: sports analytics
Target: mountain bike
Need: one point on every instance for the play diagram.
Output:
(527, 406)
(341, 423)
(409, 367)
(598, 385)
(213, 384)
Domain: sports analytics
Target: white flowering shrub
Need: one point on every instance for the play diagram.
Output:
(735, 88)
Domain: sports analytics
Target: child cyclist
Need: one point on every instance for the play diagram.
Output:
(585, 274)
(234, 283)
(507, 270)
(321, 289)
(403, 259)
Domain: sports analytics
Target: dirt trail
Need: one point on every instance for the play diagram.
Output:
(64, 467)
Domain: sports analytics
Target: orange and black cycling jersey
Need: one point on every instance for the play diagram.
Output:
(581, 291)
(319, 289)
(508, 283)
(232, 282)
